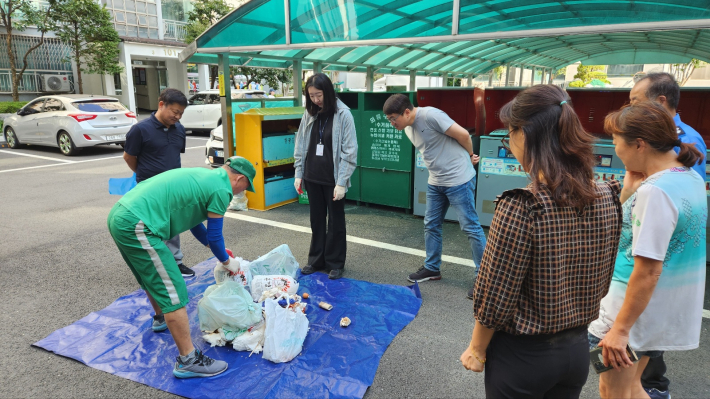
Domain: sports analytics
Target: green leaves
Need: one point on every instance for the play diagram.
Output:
(86, 26)
(204, 15)
(587, 73)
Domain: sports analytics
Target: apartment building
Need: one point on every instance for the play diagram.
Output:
(152, 34)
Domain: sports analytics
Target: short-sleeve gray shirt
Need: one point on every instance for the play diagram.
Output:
(448, 162)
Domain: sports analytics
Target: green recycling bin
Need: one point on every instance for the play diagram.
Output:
(353, 100)
(386, 156)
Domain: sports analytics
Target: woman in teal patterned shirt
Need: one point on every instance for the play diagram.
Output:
(655, 300)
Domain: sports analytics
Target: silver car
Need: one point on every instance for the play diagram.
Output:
(69, 122)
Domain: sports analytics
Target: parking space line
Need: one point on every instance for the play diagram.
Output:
(353, 239)
(36, 156)
(72, 162)
(365, 241)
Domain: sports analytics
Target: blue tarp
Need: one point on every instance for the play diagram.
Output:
(335, 362)
(121, 185)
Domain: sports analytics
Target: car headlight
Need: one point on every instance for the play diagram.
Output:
(212, 136)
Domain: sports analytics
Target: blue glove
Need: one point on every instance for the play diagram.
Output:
(215, 238)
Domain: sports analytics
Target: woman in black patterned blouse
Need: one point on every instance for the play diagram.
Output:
(549, 258)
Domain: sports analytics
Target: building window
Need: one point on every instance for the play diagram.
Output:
(139, 76)
(117, 83)
(135, 18)
(623, 70)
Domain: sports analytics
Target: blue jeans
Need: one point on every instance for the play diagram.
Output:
(461, 198)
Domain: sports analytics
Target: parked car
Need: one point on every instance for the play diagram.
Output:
(69, 122)
(204, 112)
(214, 148)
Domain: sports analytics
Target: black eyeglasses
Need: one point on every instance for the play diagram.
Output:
(506, 141)
(391, 119)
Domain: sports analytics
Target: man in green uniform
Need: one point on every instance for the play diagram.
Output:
(165, 206)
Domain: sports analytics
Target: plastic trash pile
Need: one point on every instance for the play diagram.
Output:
(254, 306)
(239, 202)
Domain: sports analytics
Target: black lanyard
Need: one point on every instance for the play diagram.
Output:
(321, 128)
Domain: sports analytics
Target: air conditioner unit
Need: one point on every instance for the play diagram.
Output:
(55, 83)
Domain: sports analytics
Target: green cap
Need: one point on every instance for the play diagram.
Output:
(242, 166)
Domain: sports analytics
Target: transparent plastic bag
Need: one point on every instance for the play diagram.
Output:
(227, 305)
(260, 284)
(239, 202)
(285, 332)
(279, 261)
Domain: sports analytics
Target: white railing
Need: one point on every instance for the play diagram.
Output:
(174, 30)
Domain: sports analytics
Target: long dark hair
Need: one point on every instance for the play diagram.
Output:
(650, 122)
(321, 82)
(557, 148)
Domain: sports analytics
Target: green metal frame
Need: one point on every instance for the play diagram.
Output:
(456, 37)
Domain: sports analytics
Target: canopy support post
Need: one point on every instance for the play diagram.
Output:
(298, 82)
(225, 100)
(532, 78)
(369, 78)
(412, 80)
(522, 72)
(507, 75)
(317, 67)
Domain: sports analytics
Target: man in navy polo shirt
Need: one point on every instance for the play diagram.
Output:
(661, 87)
(154, 145)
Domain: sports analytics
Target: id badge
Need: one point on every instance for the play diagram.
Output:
(319, 150)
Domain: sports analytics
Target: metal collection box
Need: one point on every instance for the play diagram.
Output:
(278, 188)
(421, 182)
(278, 148)
(264, 141)
(498, 171)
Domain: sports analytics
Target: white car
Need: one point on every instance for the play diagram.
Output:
(214, 148)
(69, 122)
(204, 112)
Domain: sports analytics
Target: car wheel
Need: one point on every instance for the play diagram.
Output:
(66, 144)
(11, 138)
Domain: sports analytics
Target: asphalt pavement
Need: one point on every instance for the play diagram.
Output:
(58, 264)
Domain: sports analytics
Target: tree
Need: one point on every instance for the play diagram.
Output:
(587, 73)
(682, 72)
(86, 26)
(453, 82)
(271, 76)
(17, 15)
(204, 14)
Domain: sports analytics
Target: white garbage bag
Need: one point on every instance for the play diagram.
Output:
(227, 305)
(279, 261)
(252, 340)
(285, 332)
(259, 284)
(239, 202)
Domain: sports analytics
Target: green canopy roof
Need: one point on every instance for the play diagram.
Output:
(461, 37)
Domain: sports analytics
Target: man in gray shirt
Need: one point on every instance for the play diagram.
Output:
(448, 154)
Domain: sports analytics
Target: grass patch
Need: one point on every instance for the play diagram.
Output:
(10, 107)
